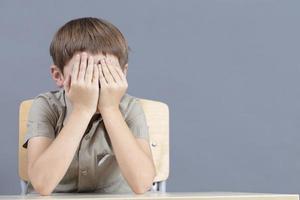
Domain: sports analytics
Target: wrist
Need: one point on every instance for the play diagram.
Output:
(83, 112)
(110, 109)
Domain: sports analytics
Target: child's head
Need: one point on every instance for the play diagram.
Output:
(92, 35)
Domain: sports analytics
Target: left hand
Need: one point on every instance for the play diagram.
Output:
(113, 83)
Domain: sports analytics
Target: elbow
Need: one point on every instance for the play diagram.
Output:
(42, 189)
(144, 185)
(141, 189)
(40, 186)
(40, 180)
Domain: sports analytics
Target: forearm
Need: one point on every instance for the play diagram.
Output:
(52, 164)
(136, 166)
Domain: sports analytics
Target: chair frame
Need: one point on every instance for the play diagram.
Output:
(162, 114)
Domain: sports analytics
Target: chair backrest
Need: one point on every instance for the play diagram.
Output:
(157, 116)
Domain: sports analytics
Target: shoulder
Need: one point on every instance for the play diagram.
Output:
(49, 103)
(131, 106)
(51, 97)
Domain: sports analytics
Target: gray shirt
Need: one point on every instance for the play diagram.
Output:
(94, 167)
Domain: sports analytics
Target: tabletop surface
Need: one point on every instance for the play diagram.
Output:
(166, 196)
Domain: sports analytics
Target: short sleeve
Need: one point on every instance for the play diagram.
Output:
(40, 120)
(136, 121)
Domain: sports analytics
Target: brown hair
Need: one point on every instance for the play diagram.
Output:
(89, 34)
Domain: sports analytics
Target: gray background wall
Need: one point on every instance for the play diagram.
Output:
(228, 69)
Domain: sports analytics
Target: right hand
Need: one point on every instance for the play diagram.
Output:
(82, 85)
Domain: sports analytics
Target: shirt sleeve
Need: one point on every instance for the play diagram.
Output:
(136, 121)
(40, 120)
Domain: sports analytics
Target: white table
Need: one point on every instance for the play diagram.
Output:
(165, 196)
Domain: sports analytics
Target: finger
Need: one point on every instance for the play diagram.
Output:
(101, 76)
(106, 72)
(115, 61)
(112, 70)
(110, 58)
(95, 79)
(82, 68)
(121, 73)
(75, 68)
(89, 70)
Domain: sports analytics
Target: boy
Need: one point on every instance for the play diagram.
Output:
(90, 135)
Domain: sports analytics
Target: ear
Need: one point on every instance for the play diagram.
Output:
(125, 69)
(57, 76)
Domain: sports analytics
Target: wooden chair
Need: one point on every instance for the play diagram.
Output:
(157, 116)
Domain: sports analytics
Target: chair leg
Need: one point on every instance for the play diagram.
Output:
(160, 186)
(23, 187)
